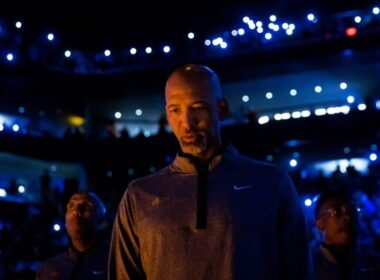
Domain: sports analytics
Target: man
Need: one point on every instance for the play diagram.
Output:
(212, 213)
(87, 256)
(338, 257)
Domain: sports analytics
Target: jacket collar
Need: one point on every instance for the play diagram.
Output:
(185, 164)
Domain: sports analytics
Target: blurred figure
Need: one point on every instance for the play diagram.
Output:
(87, 255)
(338, 256)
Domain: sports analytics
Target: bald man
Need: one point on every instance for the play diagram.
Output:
(87, 256)
(212, 213)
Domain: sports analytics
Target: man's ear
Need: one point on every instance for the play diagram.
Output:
(223, 108)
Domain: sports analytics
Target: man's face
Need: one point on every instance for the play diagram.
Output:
(192, 113)
(81, 216)
(338, 223)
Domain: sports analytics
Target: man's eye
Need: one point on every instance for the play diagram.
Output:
(199, 108)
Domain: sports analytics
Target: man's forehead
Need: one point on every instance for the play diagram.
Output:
(80, 198)
(336, 202)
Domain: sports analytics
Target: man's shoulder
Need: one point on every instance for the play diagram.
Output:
(150, 179)
(244, 161)
(54, 261)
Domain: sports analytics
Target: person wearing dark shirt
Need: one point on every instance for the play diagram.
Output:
(337, 256)
(87, 255)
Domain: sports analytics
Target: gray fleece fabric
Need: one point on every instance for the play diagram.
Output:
(255, 224)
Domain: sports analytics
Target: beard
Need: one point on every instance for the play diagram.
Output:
(196, 145)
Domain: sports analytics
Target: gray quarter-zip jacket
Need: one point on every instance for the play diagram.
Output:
(255, 224)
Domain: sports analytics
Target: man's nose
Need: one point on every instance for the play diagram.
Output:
(78, 211)
(188, 120)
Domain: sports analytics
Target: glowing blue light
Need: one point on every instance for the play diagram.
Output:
(53, 168)
(241, 31)
(234, 32)
(245, 98)
(269, 157)
(269, 95)
(377, 104)
(343, 85)
(375, 10)
(56, 227)
(373, 156)
(272, 18)
(347, 52)
(308, 202)
(350, 99)
(18, 24)
(138, 112)
(107, 52)
(310, 17)
(67, 53)
(207, 42)
(318, 89)
(131, 172)
(346, 150)
(268, 36)
(166, 49)
(362, 107)
(148, 50)
(15, 127)
(190, 35)
(246, 19)
(21, 189)
(21, 110)
(223, 45)
(357, 19)
(293, 162)
(293, 92)
(263, 120)
(109, 174)
(50, 36)
(3, 193)
(10, 57)
(133, 51)
(117, 115)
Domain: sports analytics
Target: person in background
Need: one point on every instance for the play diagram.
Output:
(212, 213)
(87, 255)
(337, 256)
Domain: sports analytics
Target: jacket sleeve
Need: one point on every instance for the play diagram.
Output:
(295, 260)
(124, 257)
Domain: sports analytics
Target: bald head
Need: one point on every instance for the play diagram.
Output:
(195, 75)
(195, 109)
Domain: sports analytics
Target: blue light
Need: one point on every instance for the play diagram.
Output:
(67, 53)
(373, 156)
(50, 36)
(347, 52)
(56, 227)
(308, 202)
(10, 57)
(377, 104)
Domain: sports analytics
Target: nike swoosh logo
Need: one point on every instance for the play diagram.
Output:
(239, 188)
(96, 272)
